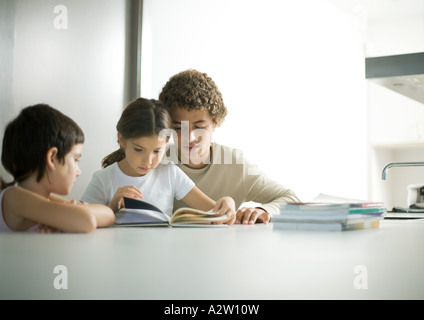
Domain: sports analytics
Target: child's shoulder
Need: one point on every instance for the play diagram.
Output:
(14, 202)
(166, 167)
(15, 188)
(109, 170)
(223, 154)
(170, 170)
(18, 194)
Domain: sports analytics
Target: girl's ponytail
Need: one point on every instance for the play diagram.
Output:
(115, 156)
(4, 184)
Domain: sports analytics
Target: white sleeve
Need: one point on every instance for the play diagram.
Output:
(182, 184)
(96, 191)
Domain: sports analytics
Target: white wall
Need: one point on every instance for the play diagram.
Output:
(7, 39)
(396, 121)
(396, 135)
(291, 74)
(78, 70)
(394, 27)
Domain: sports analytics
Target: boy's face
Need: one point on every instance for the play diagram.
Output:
(142, 154)
(68, 171)
(194, 129)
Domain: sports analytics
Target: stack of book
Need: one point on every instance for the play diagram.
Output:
(334, 214)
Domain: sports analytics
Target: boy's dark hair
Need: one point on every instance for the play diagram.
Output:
(141, 118)
(193, 90)
(31, 134)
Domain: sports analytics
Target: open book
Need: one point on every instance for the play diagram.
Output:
(141, 213)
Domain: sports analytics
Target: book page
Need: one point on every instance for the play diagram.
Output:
(188, 215)
(127, 216)
(324, 198)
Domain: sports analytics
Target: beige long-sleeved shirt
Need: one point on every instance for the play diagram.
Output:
(231, 174)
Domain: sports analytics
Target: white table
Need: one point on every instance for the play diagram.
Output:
(239, 262)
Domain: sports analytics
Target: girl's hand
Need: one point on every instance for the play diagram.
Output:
(117, 201)
(251, 215)
(226, 205)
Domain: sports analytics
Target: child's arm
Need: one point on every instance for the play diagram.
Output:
(103, 216)
(56, 198)
(198, 200)
(22, 207)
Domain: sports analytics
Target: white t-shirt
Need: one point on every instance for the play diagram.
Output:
(159, 187)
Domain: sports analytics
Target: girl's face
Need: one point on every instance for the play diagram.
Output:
(194, 130)
(68, 171)
(142, 154)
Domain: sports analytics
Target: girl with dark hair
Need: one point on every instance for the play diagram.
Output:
(41, 150)
(136, 169)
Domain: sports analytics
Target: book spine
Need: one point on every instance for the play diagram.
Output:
(371, 224)
(366, 210)
(367, 205)
(308, 226)
(323, 226)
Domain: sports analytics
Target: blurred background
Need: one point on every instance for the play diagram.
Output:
(292, 75)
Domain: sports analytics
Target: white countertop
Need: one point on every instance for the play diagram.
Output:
(239, 262)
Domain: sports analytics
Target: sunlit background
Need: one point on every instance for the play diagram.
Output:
(292, 77)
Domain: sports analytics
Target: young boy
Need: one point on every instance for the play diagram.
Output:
(197, 108)
(41, 150)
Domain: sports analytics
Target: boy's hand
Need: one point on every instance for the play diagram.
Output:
(251, 215)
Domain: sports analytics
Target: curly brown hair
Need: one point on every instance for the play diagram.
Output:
(193, 90)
